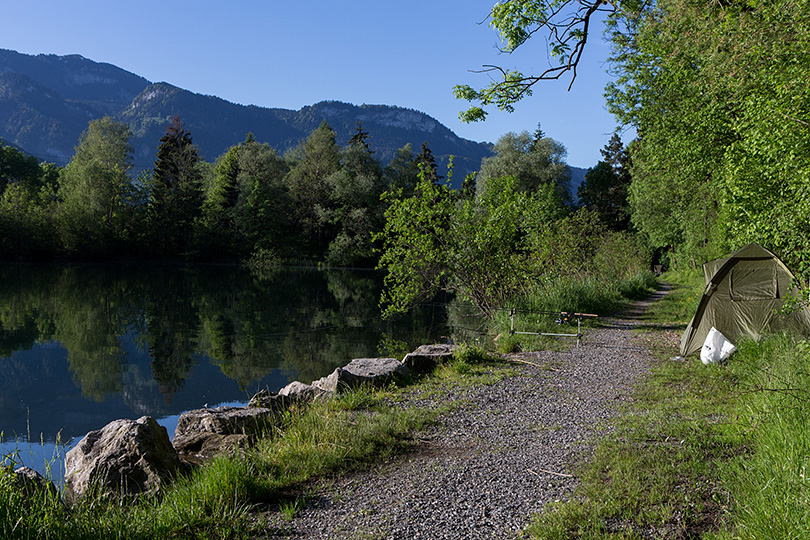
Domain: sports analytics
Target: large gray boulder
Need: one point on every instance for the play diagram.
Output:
(426, 357)
(205, 433)
(125, 457)
(363, 371)
(298, 391)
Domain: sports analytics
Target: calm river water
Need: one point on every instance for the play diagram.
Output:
(82, 345)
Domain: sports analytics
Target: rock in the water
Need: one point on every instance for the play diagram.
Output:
(126, 457)
(204, 433)
(360, 371)
(426, 357)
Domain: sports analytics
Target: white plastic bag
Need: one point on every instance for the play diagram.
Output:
(716, 348)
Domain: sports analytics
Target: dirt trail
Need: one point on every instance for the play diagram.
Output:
(487, 467)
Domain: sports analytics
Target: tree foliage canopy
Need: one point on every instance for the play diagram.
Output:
(718, 96)
(534, 161)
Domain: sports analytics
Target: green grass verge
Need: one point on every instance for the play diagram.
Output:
(716, 452)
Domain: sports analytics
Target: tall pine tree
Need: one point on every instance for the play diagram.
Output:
(176, 195)
(427, 163)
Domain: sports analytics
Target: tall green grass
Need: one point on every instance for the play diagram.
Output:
(771, 485)
(583, 294)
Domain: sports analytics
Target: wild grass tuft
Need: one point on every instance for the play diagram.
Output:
(771, 486)
(585, 294)
(220, 492)
(289, 509)
(466, 357)
(333, 435)
(638, 286)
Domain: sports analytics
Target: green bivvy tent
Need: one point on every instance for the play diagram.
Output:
(744, 291)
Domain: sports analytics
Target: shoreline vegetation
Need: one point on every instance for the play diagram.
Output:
(712, 452)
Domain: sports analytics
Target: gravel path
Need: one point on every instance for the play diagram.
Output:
(487, 467)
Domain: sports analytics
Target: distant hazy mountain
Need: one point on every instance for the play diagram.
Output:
(46, 101)
(577, 177)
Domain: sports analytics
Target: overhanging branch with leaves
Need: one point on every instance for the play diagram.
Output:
(567, 24)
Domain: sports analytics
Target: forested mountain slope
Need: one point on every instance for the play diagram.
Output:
(46, 101)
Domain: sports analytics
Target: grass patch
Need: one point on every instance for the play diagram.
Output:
(681, 302)
(332, 436)
(716, 452)
(771, 486)
(538, 310)
(655, 475)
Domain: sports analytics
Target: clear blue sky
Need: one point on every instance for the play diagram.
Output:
(296, 53)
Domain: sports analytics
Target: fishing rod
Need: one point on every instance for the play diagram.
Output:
(562, 317)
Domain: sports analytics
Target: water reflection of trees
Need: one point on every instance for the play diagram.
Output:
(299, 320)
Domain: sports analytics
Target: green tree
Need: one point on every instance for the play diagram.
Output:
(314, 160)
(27, 193)
(477, 248)
(426, 162)
(175, 197)
(532, 161)
(360, 137)
(27, 222)
(16, 167)
(94, 189)
(357, 211)
(402, 172)
(263, 215)
(716, 94)
(216, 231)
(605, 187)
(416, 240)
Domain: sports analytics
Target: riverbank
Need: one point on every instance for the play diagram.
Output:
(505, 450)
(494, 443)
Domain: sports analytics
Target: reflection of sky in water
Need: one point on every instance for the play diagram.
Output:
(218, 338)
(40, 403)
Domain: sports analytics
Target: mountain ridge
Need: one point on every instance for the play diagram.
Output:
(46, 102)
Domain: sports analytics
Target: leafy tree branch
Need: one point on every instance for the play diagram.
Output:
(567, 27)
